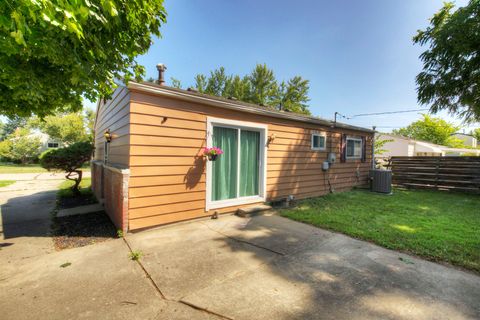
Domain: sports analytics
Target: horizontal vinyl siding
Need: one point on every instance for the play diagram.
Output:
(114, 116)
(167, 181)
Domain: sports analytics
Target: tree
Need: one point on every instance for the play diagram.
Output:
(11, 125)
(20, 146)
(55, 52)
(450, 79)
(264, 85)
(176, 83)
(68, 159)
(431, 129)
(476, 134)
(201, 83)
(293, 96)
(89, 118)
(259, 87)
(216, 83)
(379, 145)
(67, 128)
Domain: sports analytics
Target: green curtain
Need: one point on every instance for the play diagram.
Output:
(249, 162)
(224, 169)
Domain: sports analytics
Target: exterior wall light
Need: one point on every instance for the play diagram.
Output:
(272, 137)
(107, 135)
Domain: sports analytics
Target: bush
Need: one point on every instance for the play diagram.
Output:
(68, 159)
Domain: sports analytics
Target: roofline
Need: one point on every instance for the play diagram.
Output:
(233, 105)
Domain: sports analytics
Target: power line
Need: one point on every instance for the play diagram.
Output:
(338, 114)
(387, 112)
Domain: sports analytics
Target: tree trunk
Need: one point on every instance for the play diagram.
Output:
(78, 179)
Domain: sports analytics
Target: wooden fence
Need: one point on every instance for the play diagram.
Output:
(441, 173)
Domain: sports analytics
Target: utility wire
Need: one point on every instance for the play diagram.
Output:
(388, 112)
(337, 114)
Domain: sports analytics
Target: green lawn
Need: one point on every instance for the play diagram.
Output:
(5, 183)
(439, 226)
(28, 168)
(65, 189)
(19, 168)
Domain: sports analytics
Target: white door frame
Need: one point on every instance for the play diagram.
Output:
(235, 124)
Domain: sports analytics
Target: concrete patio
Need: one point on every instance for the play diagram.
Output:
(265, 267)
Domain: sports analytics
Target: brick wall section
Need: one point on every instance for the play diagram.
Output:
(115, 191)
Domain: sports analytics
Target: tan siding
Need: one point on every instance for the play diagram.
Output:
(167, 182)
(157, 219)
(114, 115)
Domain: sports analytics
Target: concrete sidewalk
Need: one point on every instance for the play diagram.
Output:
(265, 267)
(25, 218)
(36, 176)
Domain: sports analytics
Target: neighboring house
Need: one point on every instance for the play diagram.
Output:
(403, 146)
(153, 172)
(468, 139)
(47, 142)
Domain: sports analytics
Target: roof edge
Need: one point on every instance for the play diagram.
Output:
(232, 105)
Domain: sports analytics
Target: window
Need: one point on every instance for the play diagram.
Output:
(105, 152)
(354, 148)
(318, 141)
(238, 175)
(52, 145)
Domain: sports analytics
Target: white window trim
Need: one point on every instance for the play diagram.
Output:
(361, 148)
(263, 129)
(322, 134)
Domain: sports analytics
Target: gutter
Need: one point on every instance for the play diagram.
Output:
(243, 107)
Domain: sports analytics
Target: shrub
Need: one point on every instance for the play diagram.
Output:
(68, 159)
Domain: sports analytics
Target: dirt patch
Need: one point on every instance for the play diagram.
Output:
(82, 230)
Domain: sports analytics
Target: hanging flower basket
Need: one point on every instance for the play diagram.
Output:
(212, 153)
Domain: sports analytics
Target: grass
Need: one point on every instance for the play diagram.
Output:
(28, 168)
(67, 199)
(66, 188)
(6, 183)
(135, 255)
(21, 168)
(439, 226)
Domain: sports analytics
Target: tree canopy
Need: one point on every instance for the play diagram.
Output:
(476, 134)
(20, 146)
(66, 128)
(450, 79)
(53, 53)
(431, 129)
(259, 87)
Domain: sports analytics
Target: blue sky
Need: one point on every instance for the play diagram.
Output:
(358, 55)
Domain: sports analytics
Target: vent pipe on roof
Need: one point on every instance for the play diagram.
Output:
(161, 71)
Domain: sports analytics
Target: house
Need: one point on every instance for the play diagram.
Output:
(149, 167)
(47, 142)
(468, 139)
(404, 146)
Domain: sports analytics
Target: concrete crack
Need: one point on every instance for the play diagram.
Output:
(191, 305)
(149, 277)
(157, 288)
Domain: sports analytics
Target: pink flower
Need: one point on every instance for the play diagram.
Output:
(212, 151)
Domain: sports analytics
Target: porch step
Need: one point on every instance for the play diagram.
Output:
(253, 210)
(80, 210)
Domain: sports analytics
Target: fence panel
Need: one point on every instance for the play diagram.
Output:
(441, 173)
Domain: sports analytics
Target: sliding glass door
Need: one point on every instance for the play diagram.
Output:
(225, 168)
(237, 173)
